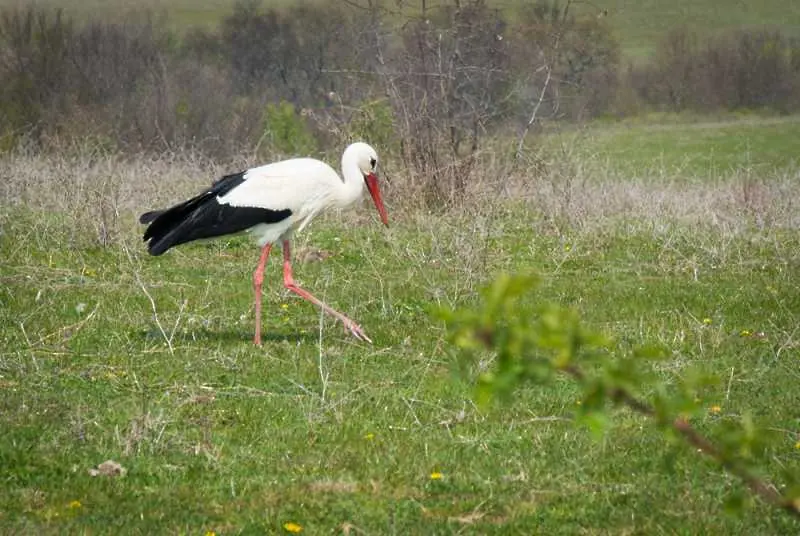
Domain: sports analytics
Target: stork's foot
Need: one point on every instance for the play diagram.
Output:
(355, 330)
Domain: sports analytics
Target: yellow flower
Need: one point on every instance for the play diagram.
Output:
(211, 533)
(74, 505)
(284, 306)
(294, 528)
(745, 333)
(436, 475)
(715, 409)
(706, 321)
(797, 445)
(369, 437)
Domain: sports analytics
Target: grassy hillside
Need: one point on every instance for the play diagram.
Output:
(689, 146)
(638, 24)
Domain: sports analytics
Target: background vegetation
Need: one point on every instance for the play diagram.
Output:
(641, 159)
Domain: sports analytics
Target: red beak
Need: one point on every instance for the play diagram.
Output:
(375, 192)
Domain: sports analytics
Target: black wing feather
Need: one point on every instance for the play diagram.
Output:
(204, 217)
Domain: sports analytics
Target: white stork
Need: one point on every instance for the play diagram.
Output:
(270, 202)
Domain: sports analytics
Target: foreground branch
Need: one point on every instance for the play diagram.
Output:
(759, 486)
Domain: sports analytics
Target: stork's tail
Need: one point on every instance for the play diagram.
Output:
(170, 227)
(198, 217)
(149, 217)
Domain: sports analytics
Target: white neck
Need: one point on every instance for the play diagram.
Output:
(353, 179)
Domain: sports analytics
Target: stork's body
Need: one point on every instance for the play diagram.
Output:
(269, 202)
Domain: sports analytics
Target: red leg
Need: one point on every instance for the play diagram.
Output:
(288, 282)
(258, 279)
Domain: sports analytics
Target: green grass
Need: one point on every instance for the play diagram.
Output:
(641, 24)
(317, 429)
(694, 147)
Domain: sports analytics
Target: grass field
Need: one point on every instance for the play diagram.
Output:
(318, 431)
(693, 147)
(638, 24)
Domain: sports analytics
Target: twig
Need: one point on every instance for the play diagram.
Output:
(30, 345)
(177, 320)
(323, 374)
(77, 326)
(536, 107)
(730, 381)
(149, 297)
(759, 486)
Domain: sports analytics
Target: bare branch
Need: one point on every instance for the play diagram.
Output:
(524, 134)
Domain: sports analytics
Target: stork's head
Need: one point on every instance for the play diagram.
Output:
(366, 159)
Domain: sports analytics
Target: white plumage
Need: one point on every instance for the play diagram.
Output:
(270, 202)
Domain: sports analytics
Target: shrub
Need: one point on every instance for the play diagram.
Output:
(742, 69)
(448, 82)
(581, 55)
(286, 131)
(34, 67)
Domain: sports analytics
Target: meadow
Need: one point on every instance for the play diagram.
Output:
(109, 354)
(684, 145)
(678, 230)
(638, 25)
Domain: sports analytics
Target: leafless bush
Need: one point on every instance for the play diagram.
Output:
(448, 82)
(298, 54)
(753, 69)
(34, 51)
(431, 88)
(580, 55)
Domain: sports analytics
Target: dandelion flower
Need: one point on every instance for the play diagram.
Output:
(211, 533)
(74, 505)
(284, 306)
(436, 475)
(715, 409)
(294, 528)
(745, 333)
(369, 437)
(706, 321)
(797, 445)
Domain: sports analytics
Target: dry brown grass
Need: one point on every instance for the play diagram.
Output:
(98, 195)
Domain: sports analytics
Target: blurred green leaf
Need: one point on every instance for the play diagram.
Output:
(532, 344)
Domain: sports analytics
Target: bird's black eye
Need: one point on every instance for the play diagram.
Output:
(373, 162)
